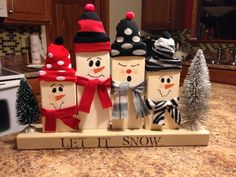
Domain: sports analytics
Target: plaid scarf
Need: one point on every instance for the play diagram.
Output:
(120, 107)
(160, 107)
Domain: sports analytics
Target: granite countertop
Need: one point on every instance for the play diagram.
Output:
(216, 159)
(28, 72)
(17, 63)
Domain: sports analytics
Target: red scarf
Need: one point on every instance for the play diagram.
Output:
(90, 87)
(66, 115)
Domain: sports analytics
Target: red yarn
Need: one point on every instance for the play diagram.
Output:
(89, 8)
(130, 15)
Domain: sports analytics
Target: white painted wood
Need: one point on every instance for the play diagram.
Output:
(122, 68)
(110, 138)
(49, 101)
(156, 91)
(98, 117)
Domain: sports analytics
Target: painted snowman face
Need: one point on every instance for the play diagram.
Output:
(166, 85)
(163, 85)
(128, 69)
(93, 65)
(56, 98)
(58, 95)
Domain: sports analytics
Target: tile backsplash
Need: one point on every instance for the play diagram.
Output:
(210, 49)
(14, 39)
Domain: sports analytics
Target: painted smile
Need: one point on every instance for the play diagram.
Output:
(164, 95)
(59, 106)
(101, 75)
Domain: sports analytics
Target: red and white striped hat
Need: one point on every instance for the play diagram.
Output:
(58, 64)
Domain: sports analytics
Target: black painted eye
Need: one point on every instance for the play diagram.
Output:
(98, 63)
(90, 63)
(60, 89)
(54, 90)
(162, 80)
(168, 80)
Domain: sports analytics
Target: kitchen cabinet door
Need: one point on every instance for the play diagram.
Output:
(162, 14)
(28, 11)
(65, 16)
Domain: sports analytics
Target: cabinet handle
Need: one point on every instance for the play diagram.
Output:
(10, 11)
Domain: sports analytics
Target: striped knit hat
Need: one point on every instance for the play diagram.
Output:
(128, 40)
(91, 36)
(162, 55)
(58, 64)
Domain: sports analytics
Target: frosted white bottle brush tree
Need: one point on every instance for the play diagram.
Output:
(196, 92)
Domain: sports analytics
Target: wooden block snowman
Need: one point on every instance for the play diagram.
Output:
(58, 90)
(92, 47)
(128, 70)
(163, 74)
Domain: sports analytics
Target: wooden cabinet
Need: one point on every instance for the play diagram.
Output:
(65, 16)
(213, 21)
(28, 11)
(162, 14)
(219, 75)
(34, 83)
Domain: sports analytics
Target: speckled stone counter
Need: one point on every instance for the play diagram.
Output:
(17, 63)
(216, 159)
(28, 72)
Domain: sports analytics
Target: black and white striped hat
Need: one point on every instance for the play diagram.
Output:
(162, 55)
(128, 40)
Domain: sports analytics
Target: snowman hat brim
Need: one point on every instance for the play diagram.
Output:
(153, 64)
(57, 75)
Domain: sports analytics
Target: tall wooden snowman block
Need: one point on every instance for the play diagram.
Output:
(92, 47)
(58, 90)
(128, 70)
(163, 74)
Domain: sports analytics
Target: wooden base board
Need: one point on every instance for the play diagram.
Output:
(111, 138)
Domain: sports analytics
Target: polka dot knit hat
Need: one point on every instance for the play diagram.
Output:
(58, 65)
(91, 35)
(128, 40)
(162, 55)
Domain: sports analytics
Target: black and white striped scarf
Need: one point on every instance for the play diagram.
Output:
(160, 107)
(120, 107)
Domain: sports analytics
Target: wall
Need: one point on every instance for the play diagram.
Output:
(118, 8)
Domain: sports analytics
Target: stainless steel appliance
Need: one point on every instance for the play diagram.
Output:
(9, 84)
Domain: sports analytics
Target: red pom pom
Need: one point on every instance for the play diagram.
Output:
(89, 8)
(130, 15)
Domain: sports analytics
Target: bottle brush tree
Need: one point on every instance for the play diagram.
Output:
(196, 92)
(27, 107)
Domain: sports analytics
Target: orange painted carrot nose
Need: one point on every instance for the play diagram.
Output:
(58, 97)
(96, 70)
(168, 86)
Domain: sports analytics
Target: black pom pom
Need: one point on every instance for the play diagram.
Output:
(59, 40)
(166, 35)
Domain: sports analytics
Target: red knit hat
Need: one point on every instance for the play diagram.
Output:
(91, 36)
(58, 65)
